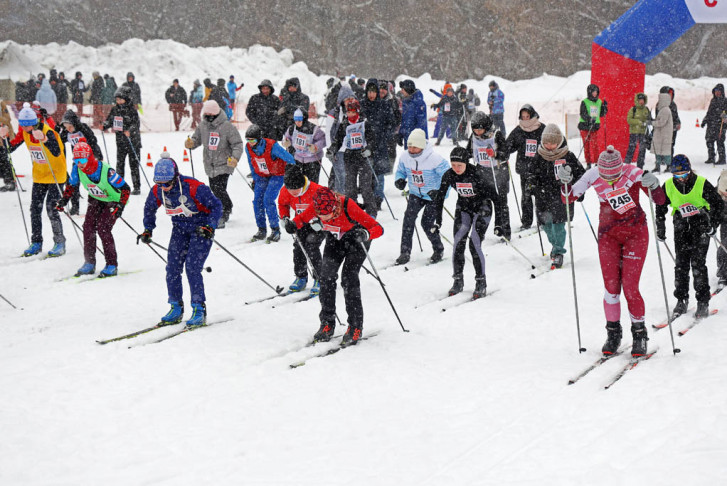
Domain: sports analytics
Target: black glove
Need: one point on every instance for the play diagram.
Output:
(289, 226)
(61, 204)
(399, 139)
(116, 208)
(711, 231)
(206, 231)
(435, 228)
(145, 237)
(400, 184)
(433, 194)
(498, 231)
(360, 235)
(661, 234)
(366, 153)
(252, 185)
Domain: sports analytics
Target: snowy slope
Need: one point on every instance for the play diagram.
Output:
(474, 395)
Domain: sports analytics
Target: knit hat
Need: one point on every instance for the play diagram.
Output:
(298, 115)
(294, 177)
(680, 163)
(610, 164)
(324, 201)
(459, 154)
(408, 86)
(417, 139)
(353, 105)
(27, 116)
(82, 150)
(210, 107)
(552, 134)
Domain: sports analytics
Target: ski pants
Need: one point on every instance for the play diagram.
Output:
(475, 225)
(6, 172)
(266, 193)
(99, 221)
(526, 201)
(312, 170)
(721, 255)
(449, 125)
(622, 251)
(556, 236)
(124, 149)
(47, 193)
(590, 146)
(716, 139)
(413, 206)
(636, 139)
(691, 248)
(337, 182)
(351, 255)
(311, 241)
(498, 120)
(499, 178)
(359, 178)
(188, 251)
(218, 186)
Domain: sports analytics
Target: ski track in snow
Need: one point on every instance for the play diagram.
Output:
(475, 395)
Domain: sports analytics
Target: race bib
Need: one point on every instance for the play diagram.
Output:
(299, 208)
(620, 200)
(73, 138)
(447, 107)
(356, 141)
(300, 142)
(118, 123)
(594, 111)
(464, 189)
(94, 191)
(334, 230)
(556, 166)
(417, 177)
(687, 210)
(214, 141)
(486, 156)
(262, 165)
(531, 146)
(36, 154)
(174, 211)
(471, 105)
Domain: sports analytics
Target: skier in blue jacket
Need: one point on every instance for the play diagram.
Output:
(413, 111)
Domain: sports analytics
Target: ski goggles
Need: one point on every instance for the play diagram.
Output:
(252, 141)
(681, 175)
(81, 161)
(168, 183)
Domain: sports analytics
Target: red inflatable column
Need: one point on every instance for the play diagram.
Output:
(619, 79)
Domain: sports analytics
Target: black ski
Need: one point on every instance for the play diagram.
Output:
(328, 352)
(596, 364)
(633, 363)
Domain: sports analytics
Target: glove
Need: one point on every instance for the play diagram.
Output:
(400, 184)
(232, 162)
(281, 110)
(661, 234)
(435, 228)
(565, 174)
(315, 224)
(116, 209)
(330, 155)
(399, 139)
(649, 180)
(360, 235)
(61, 204)
(289, 226)
(433, 194)
(366, 153)
(4, 131)
(206, 231)
(252, 185)
(711, 231)
(145, 237)
(189, 143)
(498, 232)
(39, 135)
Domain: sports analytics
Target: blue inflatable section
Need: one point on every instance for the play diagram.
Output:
(646, 29)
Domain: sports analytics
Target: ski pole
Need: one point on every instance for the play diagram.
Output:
(668, 250)
(514, 191)
(137, 241)
(589, 222)
(138, 162)
(416, 231)
(17, 190)
(320, 163)
(663, 282)
(716, 240)
(6, 300)
(191, 159)
(509, 243)
(581, 349)
(103, 137)
(277, 289)
(244, 179)
(540, 236)
(373, 175)
(368, 257)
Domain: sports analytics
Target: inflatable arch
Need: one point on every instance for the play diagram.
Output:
(619, 54)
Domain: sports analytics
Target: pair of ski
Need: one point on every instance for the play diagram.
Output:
(451, 301)
(695, 321)
(160, 325)
(93, 278)
(330, 350)
(302, 297)
(632, 363)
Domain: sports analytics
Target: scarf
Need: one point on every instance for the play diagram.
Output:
(551, 155)
(530, 125)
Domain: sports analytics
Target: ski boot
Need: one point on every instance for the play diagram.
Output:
(136, 192)
(8, 187)
(108, 271)
(86, 269)
(436, 256)
(316, 289)
(458, 285)
(33, 249)
(58, 249)
(613, 339)
(702, 310)
(174, 316)
(199, 315)
(298, 284)
(352, 336)
(325, 333)
(274, 235)
(557, 261)
(680, 308)
(638, 331)
(403, 258)
(260, 235)
(480, 288)
(221, 223)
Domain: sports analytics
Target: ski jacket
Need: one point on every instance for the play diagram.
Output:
(547, 186)
(78, 87)
(80, 130)
(109, 91)
(287, 202)
(473, 192)
(135, 89)
(47, 98)
(97, 86)
(221, 140)
(123, 118)
(638, 116)
(263, 111)
(663, 127)
(301, 139)
(591, 110)
(449, 107)
(717, 109)
(496, 101)
(48, 158)
(104, 184)
(413, 115)
(423, 173)
(697, 206)
(200, 206)
(269, 158)
(176, 96)
(526, 146)
(350, 216)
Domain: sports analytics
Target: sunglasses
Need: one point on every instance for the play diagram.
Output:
(683, 175)
(166, 184)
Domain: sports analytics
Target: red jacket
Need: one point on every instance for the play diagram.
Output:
(299, 204)
(344, 223)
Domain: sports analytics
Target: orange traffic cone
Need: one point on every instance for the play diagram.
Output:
(165, 149)
(148, 161)
(697, 122)
(186, 157)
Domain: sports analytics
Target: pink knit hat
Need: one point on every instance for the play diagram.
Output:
(210, 107)
(610, 164)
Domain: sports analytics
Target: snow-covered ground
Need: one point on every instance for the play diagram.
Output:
(474, 395)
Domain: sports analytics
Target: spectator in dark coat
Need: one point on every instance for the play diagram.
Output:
(413, 111)
(262, 110)
(218, 93)
(716, 122)
(674, 115)
(107, 95)
(292, 98)
(135, 90)
(61, 92)
(333, 87)
(451, 110)
(78, 87)
(97, 87)
(381, 116)
(176, 96)
(386, 93)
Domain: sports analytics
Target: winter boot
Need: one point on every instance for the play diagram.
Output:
(638, 331)
(221, 223)
(458, 285)
(403, 258)
(298, 284)
(325, 333)
(613, 338)
(75, 210)
(436, 256)
(702, 310)
(260, 235)
(721, 284)
(108, 271)
(86, 269)
(680, 308)
(58, 249)
(199, 315)
(316, 289)
(33, 249)
(9, 186)
(136, 192)
(557, 261)
(656, 169)
(174, 315)
(480, 288)
(274, 235)
(352, 336)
